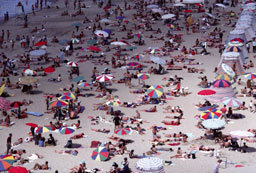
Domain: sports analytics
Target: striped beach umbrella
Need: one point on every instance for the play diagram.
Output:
(58, 103)
(221, 83)
(143, 76)
(65, 97)
(238, 40)
(104, 77)
(214, 124)
(43, 129)
(232, 102)
(154, 51)
(100, 154)
(211, 115)
(123, 131)
(233, 49)
(6, 161)
(84, 84)
(66, 130)
(224, 77)
(70, 94)
(155, 91)
(149, 165)
(115, 102)
(250, 75)
(72, 64)
(138, 56)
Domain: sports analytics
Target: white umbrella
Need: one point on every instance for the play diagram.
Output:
(29, 72)
(227, 69)
(157, 10)
(157, 60)
(43, 47)
(152, 6)
(72, 64)
(221, 5)
(101, 33)
(118, 43)
(67, 48)
(149, 164)
(214, 123)
(168, 16)
(39, 52)
(241, 134)
(210, 15)
(179, 5)
(75, 40)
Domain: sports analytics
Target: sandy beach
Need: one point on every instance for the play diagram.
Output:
(63, 28)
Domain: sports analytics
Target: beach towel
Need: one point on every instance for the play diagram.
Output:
(174, 144)
(171, 124)
(37, 114)
(239, 166)
(95, 144)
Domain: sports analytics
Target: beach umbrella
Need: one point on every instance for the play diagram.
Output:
(123, 131)
(63, 42)
(6, 161)
(199, 5)
(157, 60)
(238, 40)
(84, 84)
(43, 47)
(29, 72)
(224, 77)
(104, 77)
(72, 64)
(4, 104)
(126, 21)
(206, 92)
(66, 130)
(221, 83)
(207, 108)
(31, 124)
(101, 33)
(152, 6)
(2, 89)
(92, 42)
(143, 76)
(155, 91)
(49, 70)
(153, 51)
(168, 16)
(233, 49)
(114, 102)
(211, 115)
(94, 48)
(227, 69)
(232, 102)
(133, 64)
(64, 97)
(187, 11)
(250, 75)
(120, 17)
(18, 169)
(16, 104)
(40, 43)
(139, 35)
(179, 5)
(43, 129)
(75, 40)
(38, 52)
(78, 79)
(28, 80)
(70, 94)
(221, 5)
(100, 154)
(109, 31)
(138, 56)
(118, 43)
(149, 165)
(58, 103)
(241, 134)
(78, 24)
(214, 124)
(157, 10)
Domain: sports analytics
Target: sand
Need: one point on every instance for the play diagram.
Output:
(62, 28)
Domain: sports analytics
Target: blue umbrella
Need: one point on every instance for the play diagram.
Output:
(78, 78)
(63, 42)
(108, 31)
(120, 17)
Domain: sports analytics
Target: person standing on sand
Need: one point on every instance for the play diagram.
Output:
(9, 143)
(217, 167)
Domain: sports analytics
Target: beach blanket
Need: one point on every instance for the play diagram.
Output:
(95, 144)
(171, 124)
(37, 114)
(174, 144)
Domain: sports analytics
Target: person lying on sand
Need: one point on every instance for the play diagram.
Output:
(101, 130)
(200, 148)
(73, 152)
(78, 136)
(175, 117)
(152, 109)
(177, 122)
(44, 166)
(138, 91)
(174, 135)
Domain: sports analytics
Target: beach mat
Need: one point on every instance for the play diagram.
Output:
(37, 114)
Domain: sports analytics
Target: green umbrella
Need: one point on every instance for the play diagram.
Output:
(92, 42)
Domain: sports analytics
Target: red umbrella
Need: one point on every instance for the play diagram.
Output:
(31, 124)
(106, 7)
(188, 11)
(199, 5)
(18, 169)
(49, 70)
(16, 104)
(40, 43)
(94, 48)
(206, 92)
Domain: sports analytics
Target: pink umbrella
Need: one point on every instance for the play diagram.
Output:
(4, 104)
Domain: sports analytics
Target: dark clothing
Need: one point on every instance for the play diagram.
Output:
(117, 120)
(9, 144)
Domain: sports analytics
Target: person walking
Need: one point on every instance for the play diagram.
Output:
(217, 167)
(9, 143)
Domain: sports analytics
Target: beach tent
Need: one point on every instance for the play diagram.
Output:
(220, 94)
(231, 58)
(149, 165)
(236, 34)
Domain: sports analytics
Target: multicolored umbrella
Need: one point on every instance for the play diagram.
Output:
(41, 43)
(250, 75)
(104, 77)
(123, 131)
(214, 124)
(84, 84)
(66, 130)
(139, 35)
(31, 124)
(18, 169)
(4, 104)
(224, 76)
(64, 97)
(238, 40)
(58, 103)
(143, 76)
(115, 102)
(207, 108)
(49, 70)
(100, 154)
(231, 102)
(94, 48)
(155, 91)
(206, 92)
(72, 64)
(133, 64)
(43, 129)
(16, 104)
(211, 115)
(233, 49)
(138, 56)
(101, 33)
(6, 162)
(153, 51)
(70, 94)
(221, 83)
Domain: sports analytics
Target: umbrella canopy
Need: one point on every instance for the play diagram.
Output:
(28, 80)
(109, 31)
(149, 165)
(233, 49)
(104, 77)
(118, 43)
(84, 84)
(227, 69)
(157, 10)
(250, 75)
(40, 43)
(4, 104)
(6, 162)
(94, 48)
(221, 83)
(232, 102)
(66, 130)
(221, 5)
(238, 40)
(92, 42)
(211, 115)
(106, 21)
(100, 154)
(18, 169)
(72, 64)
(101, 33)
(152, 6)
(123, 131)
(29, 72)
(31, 124)
(143, 76)
(133, 64)
(155, 91)
(84, 49)
(115, 102)
(39, 52)
(16, 104)
(206, 92)
(187, 11)
(168, 16)
(70, 94)
(207, 108)
(153, 51)
(63, 42)
(241, 134)
(77, 24)
(58, 103)
(214, 124)
(138, 56)
(43, 129)
(157, 60)
(64, 97)
(224, 77)
(49, 70)
(78, 79)
(179, 5)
